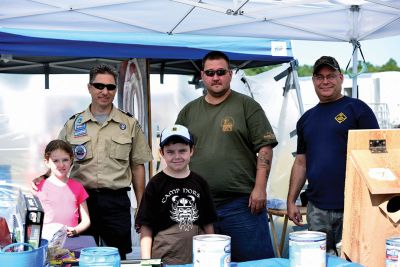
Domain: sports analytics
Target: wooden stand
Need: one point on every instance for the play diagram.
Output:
(372, 206)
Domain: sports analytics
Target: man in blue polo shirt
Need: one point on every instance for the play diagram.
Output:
(321, 152)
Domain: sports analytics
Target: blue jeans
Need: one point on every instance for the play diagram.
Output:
(250, 238)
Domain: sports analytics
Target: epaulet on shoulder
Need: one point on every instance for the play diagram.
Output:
(75, 115)
(126, 113)
(72, 117)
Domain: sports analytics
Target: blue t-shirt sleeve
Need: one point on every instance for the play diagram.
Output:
(367, 119)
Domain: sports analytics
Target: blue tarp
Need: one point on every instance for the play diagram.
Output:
(30, 42)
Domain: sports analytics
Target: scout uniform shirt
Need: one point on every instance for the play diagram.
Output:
(104, 154)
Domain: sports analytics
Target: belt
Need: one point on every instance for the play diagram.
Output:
(105, 190)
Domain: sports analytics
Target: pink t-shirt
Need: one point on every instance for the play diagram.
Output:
(61, 203)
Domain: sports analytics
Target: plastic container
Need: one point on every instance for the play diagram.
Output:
(30, 258)
(393, 252)
(99, 256)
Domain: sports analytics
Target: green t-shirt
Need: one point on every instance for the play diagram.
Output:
(227, 138)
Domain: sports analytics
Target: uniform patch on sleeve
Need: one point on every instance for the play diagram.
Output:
(79, 127)
(269, 136)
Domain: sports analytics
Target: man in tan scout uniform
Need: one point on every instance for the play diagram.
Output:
(110, 150)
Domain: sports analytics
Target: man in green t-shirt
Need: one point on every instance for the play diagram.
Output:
(234, 142)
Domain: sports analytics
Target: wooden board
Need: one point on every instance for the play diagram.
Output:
(364, 161)
(359, 139)
(366, 225)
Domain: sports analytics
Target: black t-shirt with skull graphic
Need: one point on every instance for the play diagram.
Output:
(168, 201)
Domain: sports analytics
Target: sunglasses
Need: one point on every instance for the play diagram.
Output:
(101, 86)
(211, 73)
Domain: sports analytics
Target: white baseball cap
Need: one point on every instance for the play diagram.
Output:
(175, 131)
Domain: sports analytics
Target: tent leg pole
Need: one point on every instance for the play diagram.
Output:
(354, 91)
(294, 64)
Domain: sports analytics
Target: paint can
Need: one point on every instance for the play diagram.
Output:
(307, 249)
(211, 250)
(393, 252)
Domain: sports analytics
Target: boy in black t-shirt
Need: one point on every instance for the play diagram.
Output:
(176, 205)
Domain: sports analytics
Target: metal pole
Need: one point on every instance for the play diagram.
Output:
(354, 91)
(355, 11)
(295, 64)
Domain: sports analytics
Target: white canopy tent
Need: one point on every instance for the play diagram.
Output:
(334, 20)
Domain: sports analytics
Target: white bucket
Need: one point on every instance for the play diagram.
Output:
(393, 252)
(211, 250)
(307, 249)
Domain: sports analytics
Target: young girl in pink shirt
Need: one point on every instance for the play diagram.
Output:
(63, 199)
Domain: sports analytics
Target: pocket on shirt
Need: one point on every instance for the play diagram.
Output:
(82, 148)
(120, 147)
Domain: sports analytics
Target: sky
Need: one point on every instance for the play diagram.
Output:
(377, 52)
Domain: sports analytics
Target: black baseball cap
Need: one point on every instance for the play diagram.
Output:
(326, 61)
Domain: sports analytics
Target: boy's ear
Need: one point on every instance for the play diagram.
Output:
(161, 151)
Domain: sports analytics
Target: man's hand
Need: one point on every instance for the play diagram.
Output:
(257, 200)
(294, 214)
(37, 181)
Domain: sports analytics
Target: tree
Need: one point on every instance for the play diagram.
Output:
(258, 70)
(307, 70)
(391, 65)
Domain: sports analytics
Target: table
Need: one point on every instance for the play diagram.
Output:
(75, 244)
(331, 261)
(280, 213)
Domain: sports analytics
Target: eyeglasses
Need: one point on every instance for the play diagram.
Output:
(211, 73)
(101, 86)
(321, 78)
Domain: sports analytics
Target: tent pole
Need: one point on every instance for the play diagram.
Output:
(295, 64)
(355, 13)
(354, 91)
